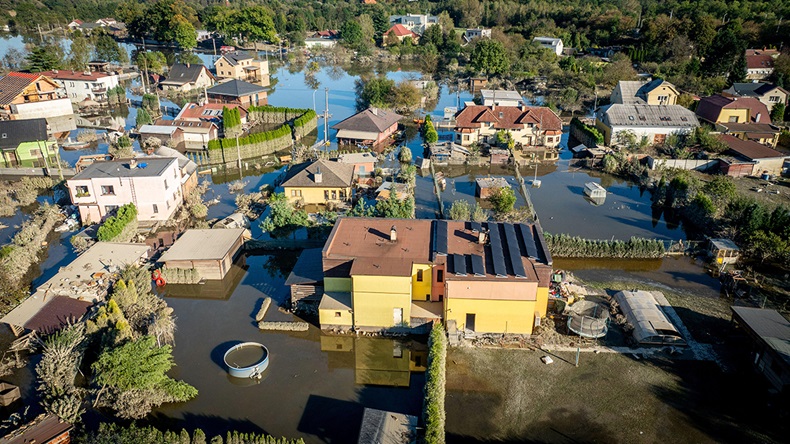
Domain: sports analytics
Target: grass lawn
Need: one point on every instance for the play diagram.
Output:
(496, 395)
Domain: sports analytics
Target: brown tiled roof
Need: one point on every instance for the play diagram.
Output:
(57, 313)
(748, 149)
(369, 238)
(760, 58)
(401, 31)
(43, 429)
(333, 174)
(709, 108)
(13, 84)
(374, 120)
(74, 75)
(508, 117)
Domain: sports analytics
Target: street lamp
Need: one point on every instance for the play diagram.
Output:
(314, 91)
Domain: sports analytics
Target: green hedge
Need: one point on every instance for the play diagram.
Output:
(563, 245)
(277, 109)
(433, 408)
(588, 130)
(114, 225)
(283, 130)
(304, 118)
(231, 117)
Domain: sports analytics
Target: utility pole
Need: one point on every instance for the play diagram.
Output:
(238, 151)
(57, 157)
(326, 117)
(40, 36)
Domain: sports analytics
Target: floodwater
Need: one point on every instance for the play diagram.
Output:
(315, 387)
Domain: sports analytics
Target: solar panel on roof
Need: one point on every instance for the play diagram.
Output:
(476, 226)
(478, 267)
(459, 264)
(497, 254)
(543, 252)
(513, 251)
(441, 237)
(529, 241)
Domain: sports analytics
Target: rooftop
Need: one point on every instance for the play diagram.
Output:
(13, 84)
(752, 89)
(508, 117)
(363, 157)
(205, 244)
(42, 430)
(770, 326)
(648, 115)
(501, 94)
(234, 57)
(181, 74)
(14, 132)
(89, 76)
(374, 120)
(149, 167)
(235, 88)
(635, 92)
(209, 111)
(333, 174)
(749, 149)
(307, 269)
(491, 182)
(709, 108)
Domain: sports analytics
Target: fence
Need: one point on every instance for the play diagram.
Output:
(525, 192)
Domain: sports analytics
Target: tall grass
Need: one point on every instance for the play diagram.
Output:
(563, 245)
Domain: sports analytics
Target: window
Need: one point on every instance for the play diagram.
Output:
(663, 99)
(326, 194)
(166, 187)
(107, 190)
(419, 275)
(338, 314)
(773, 99)
(110, 208)
(156, 209)
(733, 119)
(334, 195)
(82, 191)
(439, 275)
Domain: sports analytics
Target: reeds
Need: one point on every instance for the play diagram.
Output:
(563, 245)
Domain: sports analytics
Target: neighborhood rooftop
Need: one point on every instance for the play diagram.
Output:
(333, 174)
(770, 326)
(235, 88)
(649, 115)
(14, 132)
(369, 120)
(205, 244)
(749, 149)
(12, 85)
(146, 167)
(181, 74)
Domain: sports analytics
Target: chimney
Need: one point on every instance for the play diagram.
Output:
(318, 176)
(132, 163)
(757, 118)
(393, 234)
(187, 64)
(481, 237)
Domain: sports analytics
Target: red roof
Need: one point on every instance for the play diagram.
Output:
(709, 108)
(208, 112)
(74, 75)
(400, 31)
(759, 61)
(508, 117)
(748, 149)
(24, 75)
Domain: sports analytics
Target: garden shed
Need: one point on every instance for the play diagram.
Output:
(210, 252)
(724, 251)
(651, 325)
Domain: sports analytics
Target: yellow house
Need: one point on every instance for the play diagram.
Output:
(318, 183)
(242, 66)
(18, 88)
(385, 274)
(655, 92)
(720, 109)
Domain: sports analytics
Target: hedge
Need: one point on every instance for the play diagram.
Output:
(590, 131)
(304, 118)
(114, 225)
(433, 407)
(563, 245)
(281, 131)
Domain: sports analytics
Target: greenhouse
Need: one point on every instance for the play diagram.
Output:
(651, 325)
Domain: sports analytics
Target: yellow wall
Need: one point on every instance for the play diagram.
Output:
(314, 195)
(743, 115)
(329, 317)
(652, 96)
(421, 291)
(341, 285)
(492, 316)
(542, 303)
(375, 298)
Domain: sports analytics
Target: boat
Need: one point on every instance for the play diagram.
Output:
(74, 146)
(235, 220)
(535, 183)
(594, 190)
(69, 224)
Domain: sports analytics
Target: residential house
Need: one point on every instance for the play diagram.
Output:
(208, 251)
(208, 112)
(416, 23)
(448, 153)
(47, 428)
(382, 274)
(24, 143)
(655, 92)
(241, 65)
(767, 93)
(486, 186)
(501, 97)
(364, 162)
(318, 182)
(189, 176)
(765, 133)
(769, 333)
(554, 44)
(606, 52)
(186, 77)
(322, 39)
(720, 109)
(651, 122)
(171, 136)
(79, 86)
(31, 96)
(370, 127)
(153, 185)
(760, 63)
(237, 92)
(528, 125)
(400, 33)
(476, 33)
(764, 160)
(99, 66)
(194, 135)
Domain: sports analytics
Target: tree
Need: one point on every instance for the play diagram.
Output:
(351, 33)
(489, 56)
(183, 32)
(151, 61)
(108, 49)
(404, 156)
(80, 52)
(361, 209)
(503, 200)
(394, 208)
(367, 28)
(619, 69)
(143, 118)
(283, 218)
(460, 210)
(44, 58)
(778, 112)
(405, 97)
(375, 92)
(254, 23)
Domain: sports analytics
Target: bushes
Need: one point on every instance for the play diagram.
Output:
(231, 117)
(563, 245)
(252, 139)
(304, 118)
(433, 407)
(587, 130)
(134, 434)
(115, 225)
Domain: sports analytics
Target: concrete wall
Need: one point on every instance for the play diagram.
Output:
(773, 166)
(49, 108)
(684, 164)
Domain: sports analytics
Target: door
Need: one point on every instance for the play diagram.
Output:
(470, 321)
(397, 316)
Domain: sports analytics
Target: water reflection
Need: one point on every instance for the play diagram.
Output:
(376, 361)
(211, 289)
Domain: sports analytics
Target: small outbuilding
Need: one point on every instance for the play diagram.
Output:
(485, 186)
(651, 325)
(307, 278)
(594, 190)
(724, 251)
(210, 252)
(448, 153)
(499, 156)
(770, 335)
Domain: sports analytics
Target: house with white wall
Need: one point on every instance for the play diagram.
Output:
(152, 184)
(79, 85)
(550, 43)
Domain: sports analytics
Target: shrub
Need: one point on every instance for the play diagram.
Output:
(460, 210)
(265, 136)
(304, 118)
(503, 199)
(433, 407)
(563, 245)
(114, 225)
(590, 131)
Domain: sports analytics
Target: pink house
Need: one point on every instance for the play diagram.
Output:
(152, 184)
(364, 162)
(370, 127)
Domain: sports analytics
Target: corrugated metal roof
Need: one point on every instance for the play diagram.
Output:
(648, 116)
(204, 244)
